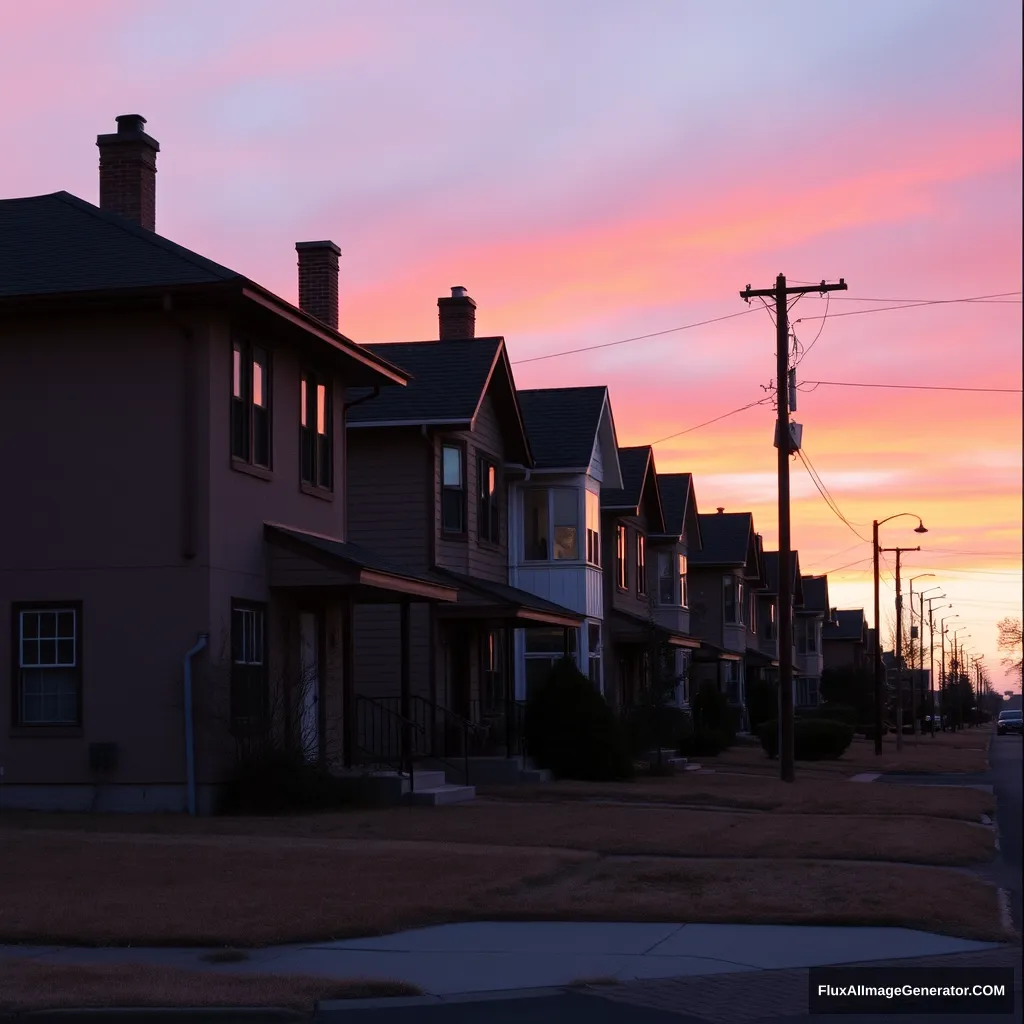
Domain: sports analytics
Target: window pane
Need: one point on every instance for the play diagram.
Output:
(66, 625)
(236, 372)
(535, 524)
(65, 652)
(48, 624)
(47, 652)
(565, 507)
(321, 408)
(452, 466)
(549, 640)
(566, 542)
(304, 403)
(261, 436)
(29, 624)
(451, 511)
(259, 378)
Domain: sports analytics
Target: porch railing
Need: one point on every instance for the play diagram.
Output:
(384, 736)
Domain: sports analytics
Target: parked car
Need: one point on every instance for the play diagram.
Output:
(1010, 722)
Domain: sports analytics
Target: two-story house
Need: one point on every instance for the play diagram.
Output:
(721, 576)
(429, 479)
(771, 588)
(632, 517)
(555, 547)
(846, 640)
(176, 566)
(808, 627)
(669, 560)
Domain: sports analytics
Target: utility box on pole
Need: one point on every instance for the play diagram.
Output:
(796, 436)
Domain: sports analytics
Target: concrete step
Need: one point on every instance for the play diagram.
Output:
(426, 778)
(532, 776)
(667, 753)
(438, 796)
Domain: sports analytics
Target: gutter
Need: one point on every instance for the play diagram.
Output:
(190, 739)
(359, 401)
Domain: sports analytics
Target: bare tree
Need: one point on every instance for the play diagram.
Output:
(1010, 644)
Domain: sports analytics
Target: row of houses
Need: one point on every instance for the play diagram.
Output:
(223, 499)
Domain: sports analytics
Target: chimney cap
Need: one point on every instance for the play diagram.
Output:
(459, 292)
(128, 124)
(323, 244)
(720, 510)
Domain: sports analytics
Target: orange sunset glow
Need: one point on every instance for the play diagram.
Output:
(596, 172)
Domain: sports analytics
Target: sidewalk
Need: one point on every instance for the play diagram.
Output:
(492, 957)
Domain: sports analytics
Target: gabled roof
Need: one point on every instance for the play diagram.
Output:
(680, 504)
(771, 572)
(816, 594)
(639, 482)
(849, 624)
(728, 539)
(447, 385)
(562, 425)
(58, 245)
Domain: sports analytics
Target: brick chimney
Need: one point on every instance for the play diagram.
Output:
(318, 280)
(456, 315)
(128, 171)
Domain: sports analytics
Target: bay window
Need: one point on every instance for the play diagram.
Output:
(641, 564)
(551, 524)
(732, 589)
(593, 528)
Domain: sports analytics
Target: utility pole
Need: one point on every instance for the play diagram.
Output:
(899, 646)
(786, 447)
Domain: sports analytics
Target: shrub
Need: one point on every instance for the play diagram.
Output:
(273, 780)
(833, 712)
(572, 731)
(652, 725)
(713, 713)
(814, 739)
(704, 742)
(762, 702)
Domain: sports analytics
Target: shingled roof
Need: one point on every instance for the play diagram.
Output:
(562, 425)
(771, 574)
(680, 504)
(58, 245)
(727, 539)
(816, 594)
(850, 624)
(638, 473)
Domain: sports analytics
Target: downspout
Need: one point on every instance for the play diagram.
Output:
(359, 401)
(190, 739)
(431, 561)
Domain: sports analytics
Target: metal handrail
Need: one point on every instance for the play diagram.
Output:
(383, 720)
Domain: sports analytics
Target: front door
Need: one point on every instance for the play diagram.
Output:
(309, 684)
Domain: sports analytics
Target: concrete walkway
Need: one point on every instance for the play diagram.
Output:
(492, 957)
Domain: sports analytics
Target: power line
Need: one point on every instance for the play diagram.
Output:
(909, 387)
(836, 554)
(826, 494)
(913, 305)
(626, 341)
(860, 561)
(998, 297)
(828, 300)
(732, 412)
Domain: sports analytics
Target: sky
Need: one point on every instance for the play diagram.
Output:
(594, 171)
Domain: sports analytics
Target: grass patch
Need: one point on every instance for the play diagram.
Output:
(30, 985)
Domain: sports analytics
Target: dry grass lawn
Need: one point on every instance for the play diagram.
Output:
(244, 891)
(965, 751)
(29, 985)
(764, 792)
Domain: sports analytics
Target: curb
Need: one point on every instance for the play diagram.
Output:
(155, 1015)
(498, 995)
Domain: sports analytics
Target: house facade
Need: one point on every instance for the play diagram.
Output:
(808, 628)
(178, 576)
(433, 474)
(556, 547)
(846, 640)
(721, 577)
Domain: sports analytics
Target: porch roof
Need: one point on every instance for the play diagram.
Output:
(499, 602)
(758, 659)
(713, 652)
(297, 558)
(627, 628)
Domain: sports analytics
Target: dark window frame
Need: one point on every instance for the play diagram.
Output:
(458, 493)
(316, 450)
(641, 563)
(248, 678)
(251, 426)
(17, 682)
(621, 556)
(488, 517)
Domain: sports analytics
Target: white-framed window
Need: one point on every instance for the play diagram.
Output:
(249, 693)
(807, 692)
(551, 524)
(544, 646)
(684, 590)
(769, 627)
(593, 528)
(49, 663)
(732, 592)
(672, 588)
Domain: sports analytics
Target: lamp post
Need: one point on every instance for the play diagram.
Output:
(916, 683)
(931, 651)
(920, 528)
(958, 654)
(943, 630)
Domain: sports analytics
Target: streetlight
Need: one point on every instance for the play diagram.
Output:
(920, 528)
(931, 648)
(943, 630)
(916, 684)
(958, 679)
